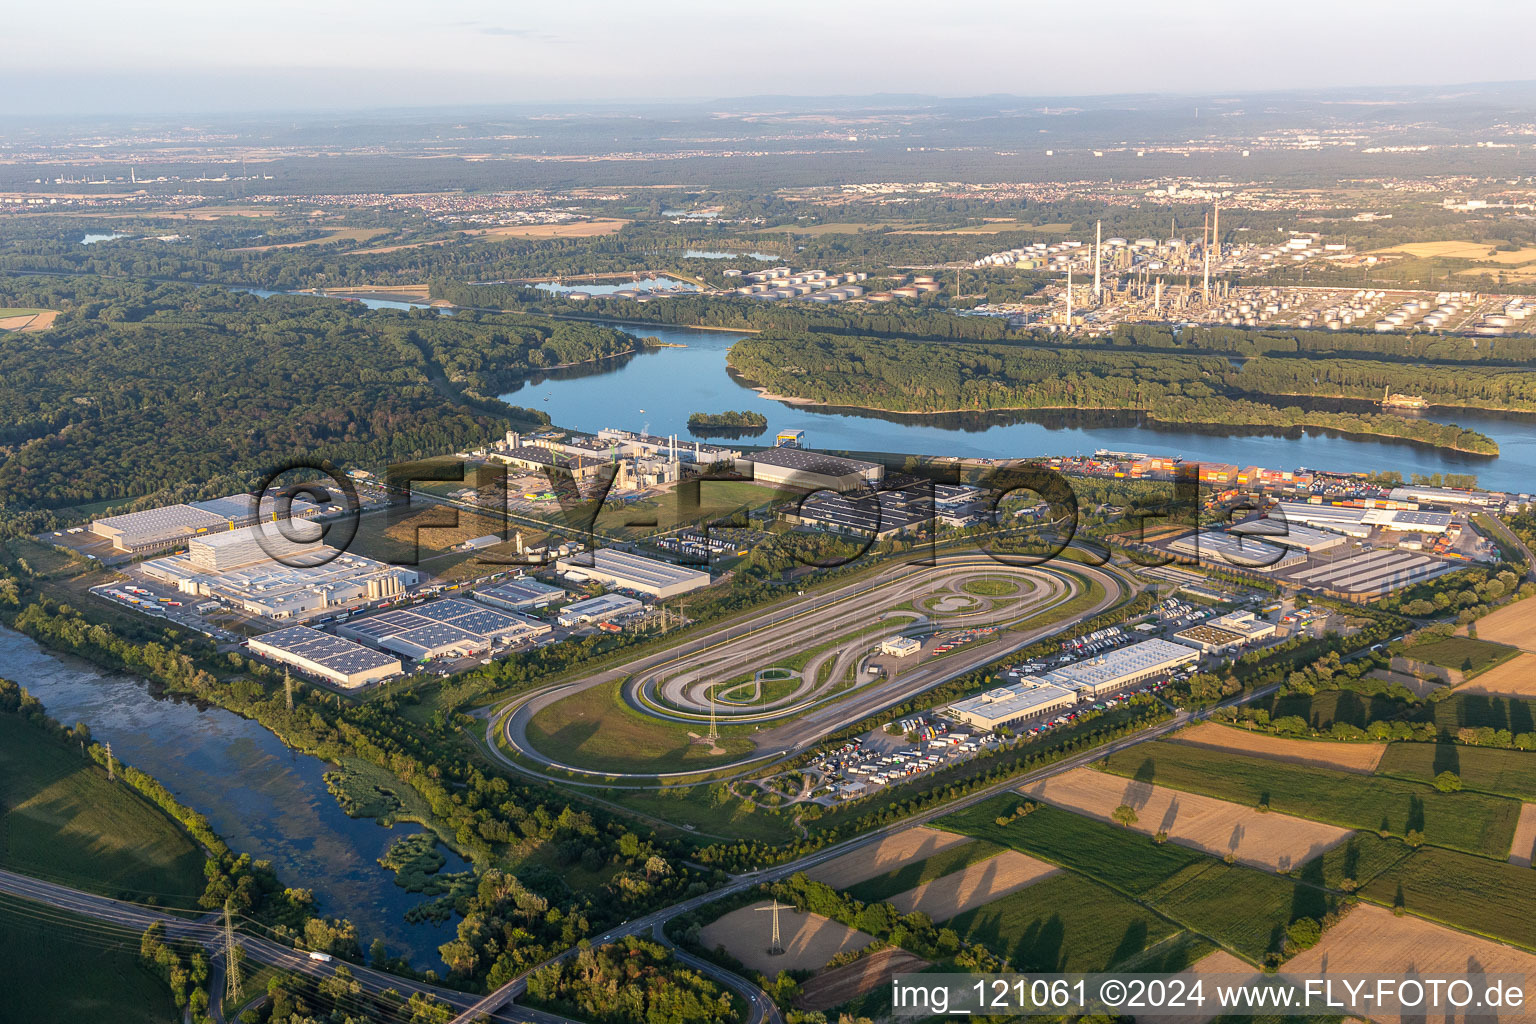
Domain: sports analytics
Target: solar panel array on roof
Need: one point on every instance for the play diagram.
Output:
(440, 627)
(332, 652)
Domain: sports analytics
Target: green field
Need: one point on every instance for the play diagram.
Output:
(1475, 822)
(1460, 652)
(1361, 858)
(596, 730)
(1126, 860)
(1492, 897)
(1064, 923)
(1509, 773)
(908, 876)
(60, 819)
(56, 967)
(1245, 910)
(694, 806)
(986, 587)
(1477, 711)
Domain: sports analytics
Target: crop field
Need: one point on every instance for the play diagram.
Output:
(1513, 678)
(1451, 250)
(1509, 773)
(1246, 911)
(1523, 846)
(1126, 860)
(1350, 757)
(1065, 923)
(1475, 822)
(1513, 624)
(60, 819)
(354, 235)
(809, 940)
(1466, 707)
(1370, 940)
(863, 976)
(878, 888)
(1359, 859)
(1214, 826)
(12, 319)
(974, 886)
(595, 729)
(1490, 897)
(57, 967)
(1462, 652)
(574, 229)
(905, 850)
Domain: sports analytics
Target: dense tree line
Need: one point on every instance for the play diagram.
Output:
(144, 389)
(903, 376)
(632, 981)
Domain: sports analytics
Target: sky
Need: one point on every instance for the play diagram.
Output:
(173, 56)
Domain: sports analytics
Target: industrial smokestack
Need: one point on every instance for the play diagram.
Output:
(1098, 252)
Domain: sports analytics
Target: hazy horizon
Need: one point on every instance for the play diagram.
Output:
(176, 56)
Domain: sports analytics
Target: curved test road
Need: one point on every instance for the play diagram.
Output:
(760, 640)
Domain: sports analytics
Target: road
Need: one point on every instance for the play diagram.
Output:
(653, 923)
(746, 637)
(208, 932)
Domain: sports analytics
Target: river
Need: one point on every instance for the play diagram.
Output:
(657, 389)
(261, 797)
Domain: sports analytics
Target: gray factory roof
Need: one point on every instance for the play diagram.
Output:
(160, 523)
(514, 592)
(623, 565)
(1014, 701)
(418, 625)
(808, 461)
(1119, 664)
(333, 652)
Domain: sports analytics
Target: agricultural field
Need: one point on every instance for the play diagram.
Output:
(596, 730)
(1065, 923)
(1513, 678)
(973, 886)
(862, 977)
(809, 940)
(1370, 940)
(1218, 827)
(1490, 897)
(1523, 847)
(1476, 822)
(1462, 653)
(909, 875)
(1119, 857)
(1350, 757)
(13, 319)
(1246, 911)
(890, 857)
(1449, 250)
(1510, 773)
(574, 229)
(427, 538)
(1354, 862)
(1514, 624)
(353, 235)
(60, 819)
(56, 967)
(1467, 708)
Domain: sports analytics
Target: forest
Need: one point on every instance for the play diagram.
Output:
(903, 376)
(172, 391)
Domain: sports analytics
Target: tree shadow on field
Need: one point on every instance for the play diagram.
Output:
(1447, 759)
(1040, 947)
(1139, 790)
(1307, 897)
(1132, 942)
(1415, 822)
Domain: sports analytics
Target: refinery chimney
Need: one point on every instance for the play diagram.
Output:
(1098, 249)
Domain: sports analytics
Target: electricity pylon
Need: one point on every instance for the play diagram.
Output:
(775, 948)
(231, 957)
(714, 727)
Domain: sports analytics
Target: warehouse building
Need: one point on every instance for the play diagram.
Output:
(251, 545)
(1288, 534)
(1229, 551)
(880, 514)
(802, 467)
(162, 529)
(614, 568)
(446, 628)
(520, 595)
(1358, 522)
(331, 658)
(1372, 574)
(1123, 667)
(600, 609)
(285, 592)
(1009, 705)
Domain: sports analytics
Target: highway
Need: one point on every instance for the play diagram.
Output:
(757, 640)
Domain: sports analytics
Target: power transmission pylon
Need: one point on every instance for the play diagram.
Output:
(714, 728)
(288, 687)
(231, 957)
(111, 775)
(775, 948)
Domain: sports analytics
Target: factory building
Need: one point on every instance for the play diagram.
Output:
(1226, 551)
(599, 609)
(1120, 668)
(331, 658)
(169, 527)
(439, 629)
(250, 545)
(1288, 535)
(1009, 705)
(801, 467)
(520, 595)
(880, 514)
(669, 448)
(1226, 632)
(1443, 496)
(614, 568)
(1353, 521)
(281, 592)
(1372, 574)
